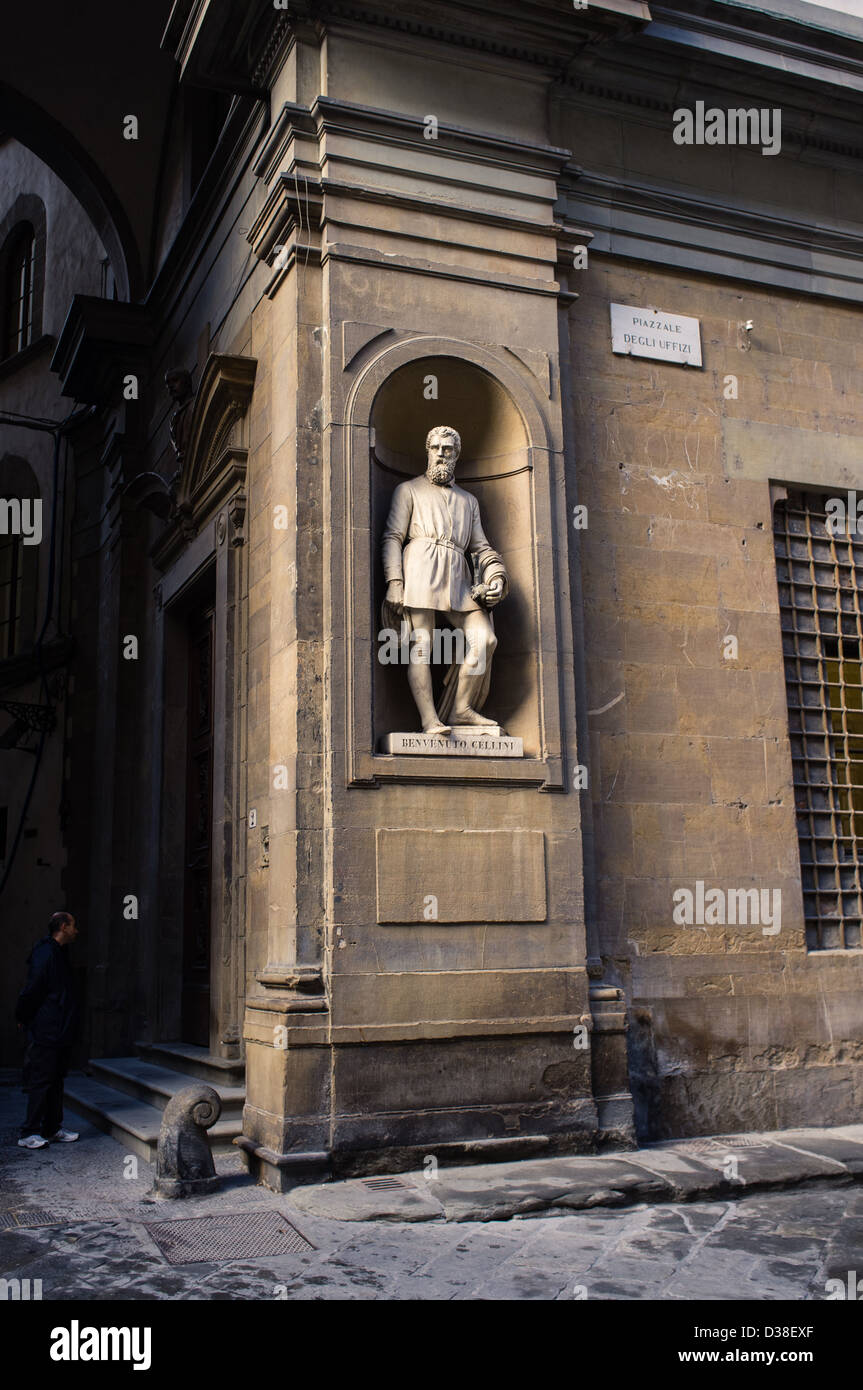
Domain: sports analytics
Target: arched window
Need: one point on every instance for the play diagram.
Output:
(22, 276)
(20, 279)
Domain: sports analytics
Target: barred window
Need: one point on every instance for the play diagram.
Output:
(20, 271)
(819, 576)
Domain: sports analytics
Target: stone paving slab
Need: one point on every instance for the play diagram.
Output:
(843, 1146)
(669, 1226)
(680, 1171)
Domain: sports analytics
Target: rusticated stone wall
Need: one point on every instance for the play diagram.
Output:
(690, 762)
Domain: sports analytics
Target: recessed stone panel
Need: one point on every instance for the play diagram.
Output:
(429, 876)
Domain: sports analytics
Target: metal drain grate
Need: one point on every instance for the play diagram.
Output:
(34, 1216)
(382, 1184)
(241, 1236)
(716, 1146)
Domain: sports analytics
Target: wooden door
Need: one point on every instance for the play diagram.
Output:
(199, 830)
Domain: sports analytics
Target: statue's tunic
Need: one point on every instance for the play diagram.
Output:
(441, 526)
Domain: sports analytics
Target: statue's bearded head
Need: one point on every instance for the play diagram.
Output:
(443, 446)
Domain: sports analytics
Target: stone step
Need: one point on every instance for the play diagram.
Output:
(155, 1085)
(195, 1061)
(131, 1121)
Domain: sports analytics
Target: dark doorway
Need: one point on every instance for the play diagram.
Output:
(199, 821)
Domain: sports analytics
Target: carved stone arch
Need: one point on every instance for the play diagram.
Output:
(361, 397)
(535, 714)
(217, 452)
(57, 147)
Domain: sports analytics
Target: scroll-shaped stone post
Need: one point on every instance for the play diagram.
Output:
(184, 1161)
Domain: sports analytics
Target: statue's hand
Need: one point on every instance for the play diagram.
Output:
(396, 595)
(493, 593)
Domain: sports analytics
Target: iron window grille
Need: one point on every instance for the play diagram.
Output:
(20, 282)
(819, 576)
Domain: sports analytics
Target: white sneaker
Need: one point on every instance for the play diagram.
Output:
(33, 1141)
(64, 1136)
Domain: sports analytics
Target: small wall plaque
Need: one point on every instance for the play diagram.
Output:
(655, 333)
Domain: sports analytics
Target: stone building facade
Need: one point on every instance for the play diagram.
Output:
(349, 224)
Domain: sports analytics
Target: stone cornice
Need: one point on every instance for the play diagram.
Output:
(234, 46)
(100, 342)
(292, 209)
(716, 236)
(395, 128)
(544, 32)
(717, 41)
(210, 41)
(650, 83)
(789, 28)
(505, 221)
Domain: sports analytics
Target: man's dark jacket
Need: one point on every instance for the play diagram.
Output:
(47, 1005)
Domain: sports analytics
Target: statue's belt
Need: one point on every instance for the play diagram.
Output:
(450, 545)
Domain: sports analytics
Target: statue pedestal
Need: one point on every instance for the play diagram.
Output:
(465, 741)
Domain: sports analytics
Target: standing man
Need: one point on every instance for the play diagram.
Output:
(433, 534)
(48, 1010)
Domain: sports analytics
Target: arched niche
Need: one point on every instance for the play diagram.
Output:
(495, 465)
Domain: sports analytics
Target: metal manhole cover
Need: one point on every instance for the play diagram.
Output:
(240, 1236)
(382, 1184)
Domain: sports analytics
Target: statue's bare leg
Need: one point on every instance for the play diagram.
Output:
(480, 643)
(419, 669)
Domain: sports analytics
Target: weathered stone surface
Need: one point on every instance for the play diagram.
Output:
(843, 1146)
(184, 1161)
(450, 262)
(460, 743)
(777, 1244)
(462, 871)
(354, 1200)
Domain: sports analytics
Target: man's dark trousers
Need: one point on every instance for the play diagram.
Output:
(47, 1008)
(44, 1071)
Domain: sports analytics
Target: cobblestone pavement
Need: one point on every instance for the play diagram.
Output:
(78, 1217)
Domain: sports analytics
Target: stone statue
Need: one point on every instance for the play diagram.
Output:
(179, 384)
(184, 1159)
(432, 529)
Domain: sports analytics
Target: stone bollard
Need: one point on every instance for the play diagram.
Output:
(184, 1161)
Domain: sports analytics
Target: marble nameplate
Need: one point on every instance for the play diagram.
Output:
(465, 741)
